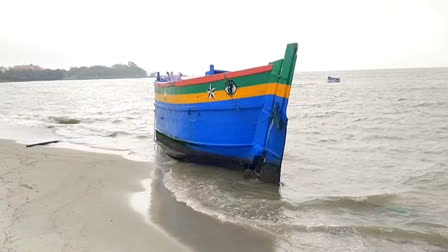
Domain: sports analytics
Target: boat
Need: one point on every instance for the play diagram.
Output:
(333, 80)
(232, 119)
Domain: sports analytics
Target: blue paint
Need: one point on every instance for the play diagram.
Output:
(213, 71)
(241, 128)
(250, 131)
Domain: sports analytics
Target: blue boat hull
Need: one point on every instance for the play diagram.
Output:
(232, 119)
(232, 134)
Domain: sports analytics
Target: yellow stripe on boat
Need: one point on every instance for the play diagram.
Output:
(278, 89)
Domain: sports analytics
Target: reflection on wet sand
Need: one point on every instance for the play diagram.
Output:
(200, 231)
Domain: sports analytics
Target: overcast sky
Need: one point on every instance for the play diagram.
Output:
(188, 35)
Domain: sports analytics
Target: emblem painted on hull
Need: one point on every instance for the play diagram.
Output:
(211, 92)
(230, 87)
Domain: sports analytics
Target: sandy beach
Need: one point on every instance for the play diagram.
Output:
(63, 200)
(54, 199)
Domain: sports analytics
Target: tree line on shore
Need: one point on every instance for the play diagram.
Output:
(36, 73)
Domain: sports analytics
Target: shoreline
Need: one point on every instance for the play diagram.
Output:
(121, 78)
(57, 199)
(86, 186)
(200, 231)
(22, 134)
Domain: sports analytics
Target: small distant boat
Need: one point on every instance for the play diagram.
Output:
(333, 79)
(231, 119)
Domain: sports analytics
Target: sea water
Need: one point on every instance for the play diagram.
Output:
(365, 165)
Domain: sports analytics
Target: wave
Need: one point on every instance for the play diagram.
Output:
(269, 218)
(434, 178)
(64, 120)
(426, 104)
(349, 202)
(117, 133)
(392, 234)
(381, 137)
(360, 119)
(327, 140)
(321, 115)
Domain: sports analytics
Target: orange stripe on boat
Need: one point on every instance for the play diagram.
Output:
(216, 77)
(278, 89)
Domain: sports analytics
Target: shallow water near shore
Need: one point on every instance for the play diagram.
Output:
(365, 165)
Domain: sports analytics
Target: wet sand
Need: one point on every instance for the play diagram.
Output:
(63, 200)
(203, 232)
(54, 199)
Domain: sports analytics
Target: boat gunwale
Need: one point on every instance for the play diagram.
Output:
(216, 77)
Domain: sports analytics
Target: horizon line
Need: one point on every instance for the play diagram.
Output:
(304, 71)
